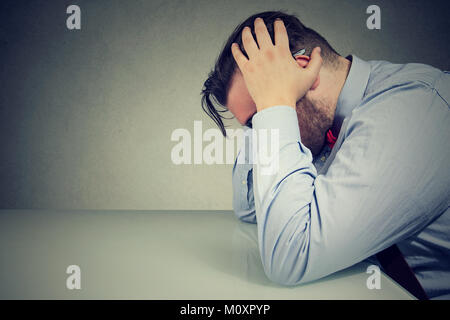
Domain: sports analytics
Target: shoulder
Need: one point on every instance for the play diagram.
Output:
(400, 103)
(399, 95)
(385, 75)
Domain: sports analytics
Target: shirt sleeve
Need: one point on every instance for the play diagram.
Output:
(242, 181)
(388, 180)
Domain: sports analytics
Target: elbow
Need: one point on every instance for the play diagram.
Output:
(283, 278)
(285, 268)
(248, 217)
(244, 212)
(285, 257)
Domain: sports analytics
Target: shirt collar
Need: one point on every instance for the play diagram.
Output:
(353, 91)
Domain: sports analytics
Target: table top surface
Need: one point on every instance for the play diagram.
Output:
(153, 255)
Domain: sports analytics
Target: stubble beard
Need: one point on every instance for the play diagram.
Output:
(314, 119)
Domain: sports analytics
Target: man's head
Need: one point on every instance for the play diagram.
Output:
(225, 88)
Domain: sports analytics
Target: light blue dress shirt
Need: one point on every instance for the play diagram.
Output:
(385, 182)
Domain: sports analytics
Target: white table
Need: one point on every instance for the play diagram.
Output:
(152, 255)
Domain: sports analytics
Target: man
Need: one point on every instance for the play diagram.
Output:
(383, 188)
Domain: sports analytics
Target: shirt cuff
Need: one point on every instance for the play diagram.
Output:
(283, 118)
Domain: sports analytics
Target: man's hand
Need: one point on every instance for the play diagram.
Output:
(271, 74)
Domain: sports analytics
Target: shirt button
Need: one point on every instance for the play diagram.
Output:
(323, 158)
(244, 182)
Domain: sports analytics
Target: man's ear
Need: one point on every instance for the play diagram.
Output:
(303, 61)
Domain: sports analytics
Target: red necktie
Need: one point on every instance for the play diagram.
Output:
(331, 139)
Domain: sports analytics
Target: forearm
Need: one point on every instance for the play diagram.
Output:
(283, 199)
(243, 198)
(242, 180)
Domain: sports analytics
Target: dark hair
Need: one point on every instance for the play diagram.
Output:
(215, 88)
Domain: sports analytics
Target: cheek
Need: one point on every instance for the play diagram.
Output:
(242, 107)
(245, 112)
(239, 101)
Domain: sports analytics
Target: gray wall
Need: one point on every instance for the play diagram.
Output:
(86, 116)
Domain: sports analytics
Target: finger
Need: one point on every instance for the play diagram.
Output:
(262, 35)
(315, 63)
(249, 43)
(281, 36)
(238, 55)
